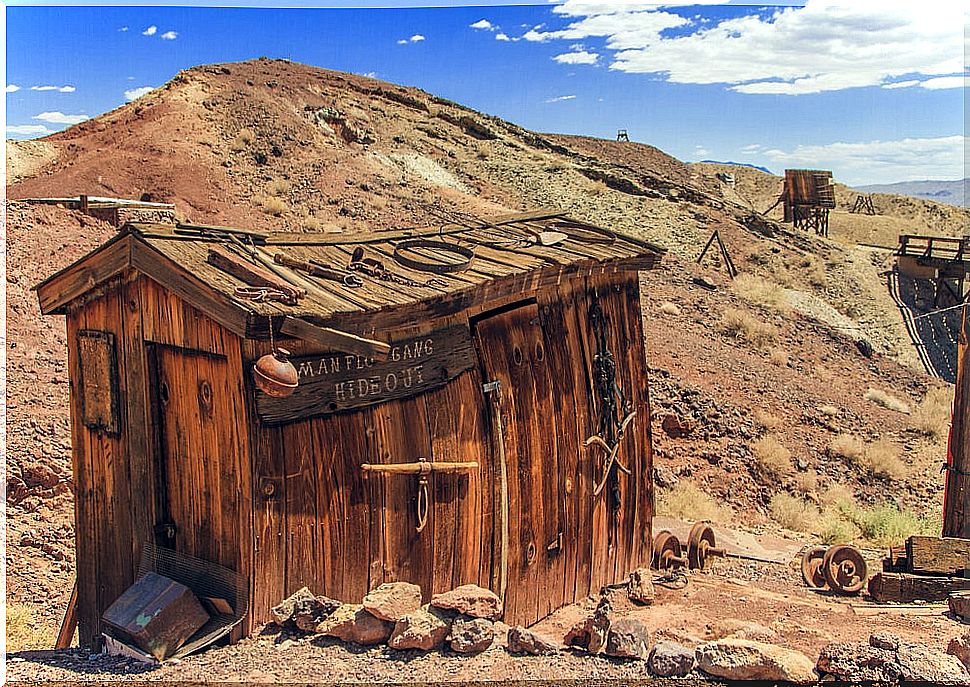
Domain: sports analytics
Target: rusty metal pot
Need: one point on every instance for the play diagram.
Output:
(275, 375)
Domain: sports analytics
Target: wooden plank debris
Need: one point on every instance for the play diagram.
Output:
(335, 339)
(938, 555)
(156, 614)
(904, 588)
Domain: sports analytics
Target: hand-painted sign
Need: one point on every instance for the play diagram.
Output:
(334, 382)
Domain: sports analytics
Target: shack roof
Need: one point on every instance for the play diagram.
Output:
(507, 258)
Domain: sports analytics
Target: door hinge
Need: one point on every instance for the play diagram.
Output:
(492, 387)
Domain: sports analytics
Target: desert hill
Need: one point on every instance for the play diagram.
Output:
(951, 192)
(766, 371)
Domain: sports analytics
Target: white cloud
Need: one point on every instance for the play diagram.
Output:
(752, 148)
(60, 118)
(826, 45)
(701, 151)
(12, 88)
(902, 84)
(123, 28)
(150, 31)
(29, 130)
(483, 25)
(62, 89)
(559, 99)
(136, 93)
(876, 162)
(370, 75)
(416, 38)
(170, 35)
(946, 82)
(502, 37)
(581, 57)
(403, 41)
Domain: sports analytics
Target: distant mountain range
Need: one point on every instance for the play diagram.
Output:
(739, 164)
(950, 192)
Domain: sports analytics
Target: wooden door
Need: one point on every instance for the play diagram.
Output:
(512, 350)
(199, 461)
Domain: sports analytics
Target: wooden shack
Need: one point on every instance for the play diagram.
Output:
(497, 365)
(808, 196)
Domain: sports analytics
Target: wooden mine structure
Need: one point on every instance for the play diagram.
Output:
(956, 506)
(943, 259)
(471, 407)
(115, 211)
(808, 196)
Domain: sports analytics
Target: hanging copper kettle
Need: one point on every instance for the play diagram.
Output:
(275, 375)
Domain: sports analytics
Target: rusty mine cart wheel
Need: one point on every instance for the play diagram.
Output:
(701, 546)
(667, 552)
(812, 567)
(844, 569)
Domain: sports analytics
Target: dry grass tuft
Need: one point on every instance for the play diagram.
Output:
(669, 308)
(747, 328)
(792, 512)
(779, 357)
(772, 456)
(23, 633)
(932, 416)
(828, 410)
(761, 292)
(598, 187)
(882, 459)
(277, 187)
(887, 525)
(272, 205)
(881, 398)
(687, 502)
(243, 140)
(849, 447)
(806, 482)
(766, 419)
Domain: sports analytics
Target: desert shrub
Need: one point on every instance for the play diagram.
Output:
(839, 498)
(887, 525)
(772, 456)
(687, 502)
(836, 528)
(598, 187)
(747, 328)
(761, 292)
(243, 140)
(766, 420)
(793, 513)
(23, 631)
(828, 410)
(277, 187)
(779, 357)
(806, 482)
(881, 398)
(882, 459)
(669, 308)
(932, 416)
(848, 447)
(272, 205)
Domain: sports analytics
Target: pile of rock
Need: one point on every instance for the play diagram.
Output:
(393, 614)
(886, 658)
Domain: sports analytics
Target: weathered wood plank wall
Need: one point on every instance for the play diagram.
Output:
(956, 516)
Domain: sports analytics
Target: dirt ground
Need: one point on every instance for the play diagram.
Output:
(748, 599)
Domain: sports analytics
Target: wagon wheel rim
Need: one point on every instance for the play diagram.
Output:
(701, 539)
(845, 569)
(812, 567)
(665, 546)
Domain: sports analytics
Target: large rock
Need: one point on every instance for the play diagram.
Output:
(885, 640)
(920, 663)
(640, 588)
(742, 659)
(740, 629)
(858, 662)
(628, 638)
(959, 603)
(283, 612)
(420, 629)
(472, 600)
(352, 623)
(590, 633)
(309, 613)
(960, 647)
(670, 659)
(393, 600)
(471, 636)
(523, 641)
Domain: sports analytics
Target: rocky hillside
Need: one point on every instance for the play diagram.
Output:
(763, 376)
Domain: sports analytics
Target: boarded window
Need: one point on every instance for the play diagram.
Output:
(99, 381)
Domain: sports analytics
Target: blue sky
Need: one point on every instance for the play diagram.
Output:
(874, 91)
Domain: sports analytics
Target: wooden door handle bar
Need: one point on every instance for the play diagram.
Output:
(418, 467)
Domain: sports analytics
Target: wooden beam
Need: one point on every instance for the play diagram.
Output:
(105, 262)
(69, 623)
(956, 501)
(903, 588)
(336, 340)
(938, 555)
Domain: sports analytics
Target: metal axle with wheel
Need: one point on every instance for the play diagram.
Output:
(667, 551)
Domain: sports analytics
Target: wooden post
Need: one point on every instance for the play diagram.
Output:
(956, 502)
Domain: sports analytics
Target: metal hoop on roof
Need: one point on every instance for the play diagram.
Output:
(402, 250)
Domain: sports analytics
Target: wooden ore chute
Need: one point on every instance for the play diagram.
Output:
(446, 428)
(807, 197)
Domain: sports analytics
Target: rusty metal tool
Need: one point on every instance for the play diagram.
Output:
(667, 551)
(320, 270)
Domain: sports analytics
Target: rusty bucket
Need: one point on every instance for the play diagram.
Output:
(275, 375)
